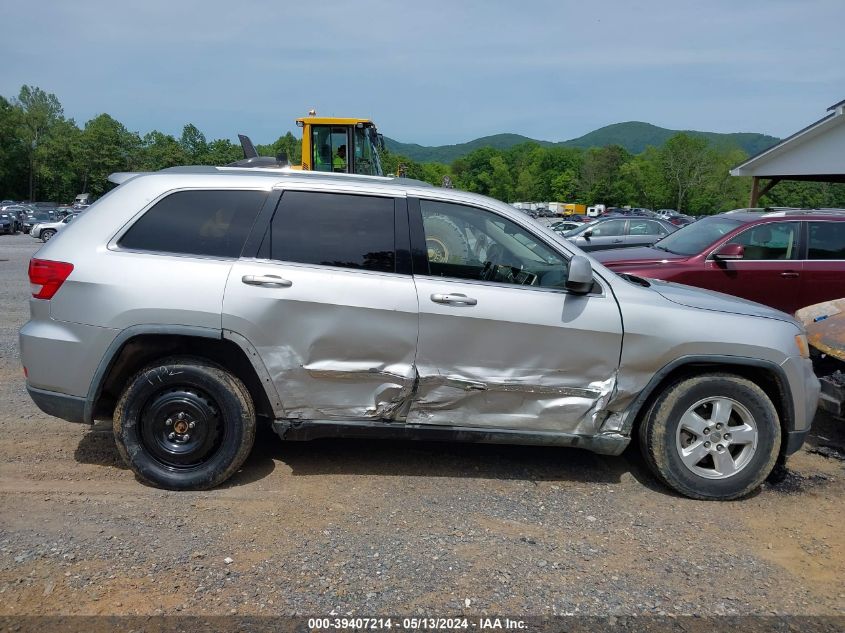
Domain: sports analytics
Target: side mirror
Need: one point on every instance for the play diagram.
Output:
(587, 234)
(730, 251)
(580, 278)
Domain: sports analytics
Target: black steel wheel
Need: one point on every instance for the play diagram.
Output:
(184, 423)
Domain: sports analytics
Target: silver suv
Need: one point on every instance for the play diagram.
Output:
(191, 303)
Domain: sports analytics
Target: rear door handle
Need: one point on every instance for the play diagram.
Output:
(618, 241)
(271, 281)
(454, 299)
(789, 274)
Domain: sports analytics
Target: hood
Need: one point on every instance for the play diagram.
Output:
(716, 301)
(635, 256)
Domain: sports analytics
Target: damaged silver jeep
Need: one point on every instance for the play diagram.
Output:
(188, 304)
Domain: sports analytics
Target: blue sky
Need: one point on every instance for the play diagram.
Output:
(431, 72)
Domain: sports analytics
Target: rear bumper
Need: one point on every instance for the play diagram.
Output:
(59, 405)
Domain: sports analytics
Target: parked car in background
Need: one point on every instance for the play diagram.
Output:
(620, 232)
(678, 219)
(564, 226)
(387, 308)
(8, 223)
(35, 217)
(785, 259)
(45, 231)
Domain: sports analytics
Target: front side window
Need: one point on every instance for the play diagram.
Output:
(776, 240)
(826, 240)
(210, 223)
(331, 229)
(611, 228)
(329, 149)
(469, 243)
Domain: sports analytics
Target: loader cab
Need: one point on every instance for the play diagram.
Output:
(340, 145)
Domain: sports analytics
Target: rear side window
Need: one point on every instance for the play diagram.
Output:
(333, 229)
(826, 240)
(211, 223)
(646, 227)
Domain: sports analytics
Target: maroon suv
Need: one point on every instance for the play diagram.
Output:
(785, 259)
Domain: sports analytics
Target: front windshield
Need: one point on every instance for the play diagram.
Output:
(694, 238)
(366, 153)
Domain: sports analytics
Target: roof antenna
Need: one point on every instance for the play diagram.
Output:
(247, 146)
(252, 159)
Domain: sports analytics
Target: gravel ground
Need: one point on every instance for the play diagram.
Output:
(377, 527)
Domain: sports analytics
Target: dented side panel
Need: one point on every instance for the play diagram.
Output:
(337, 344)
(520, 358)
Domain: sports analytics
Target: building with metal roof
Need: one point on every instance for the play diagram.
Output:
(816, 153)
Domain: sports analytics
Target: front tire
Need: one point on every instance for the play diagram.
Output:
(715, 436)
(184, 424)
(46, 235)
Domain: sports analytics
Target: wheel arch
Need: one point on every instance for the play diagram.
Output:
(767, 375)
(137, 346)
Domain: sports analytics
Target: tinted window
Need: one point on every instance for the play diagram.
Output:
(469, 243)
(776, 240)
(334, 230)
(213, 223)
(826, 240)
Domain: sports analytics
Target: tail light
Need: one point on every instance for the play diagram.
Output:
(46, 277)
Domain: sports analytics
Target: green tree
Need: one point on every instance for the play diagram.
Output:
(600, 174)
(13, 157)
(642, 181)
(222, 152)
(288, 145)
(687, 161)
(58, 162)
(160, 151)
(106, 147)
(40, 111)
(194, 144)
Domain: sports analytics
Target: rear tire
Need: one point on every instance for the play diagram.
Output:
(715, 436)
(184, 424)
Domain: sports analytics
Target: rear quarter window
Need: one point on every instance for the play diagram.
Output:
(212, 223)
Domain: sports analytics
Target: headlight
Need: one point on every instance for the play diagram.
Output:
(802, 345)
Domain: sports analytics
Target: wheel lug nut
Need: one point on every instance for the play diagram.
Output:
(191, 425)
(707, 431)
(171, 436)
(720, 448)
(181, 416)
(727, 436)
(169, 421)
(186, 437)
(718, 427)
(706, 444)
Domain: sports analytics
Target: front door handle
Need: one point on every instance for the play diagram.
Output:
(789, 274)
(271, 281)
(618, 241)
(454, 299)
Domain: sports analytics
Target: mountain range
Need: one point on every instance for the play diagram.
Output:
(634, 136)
